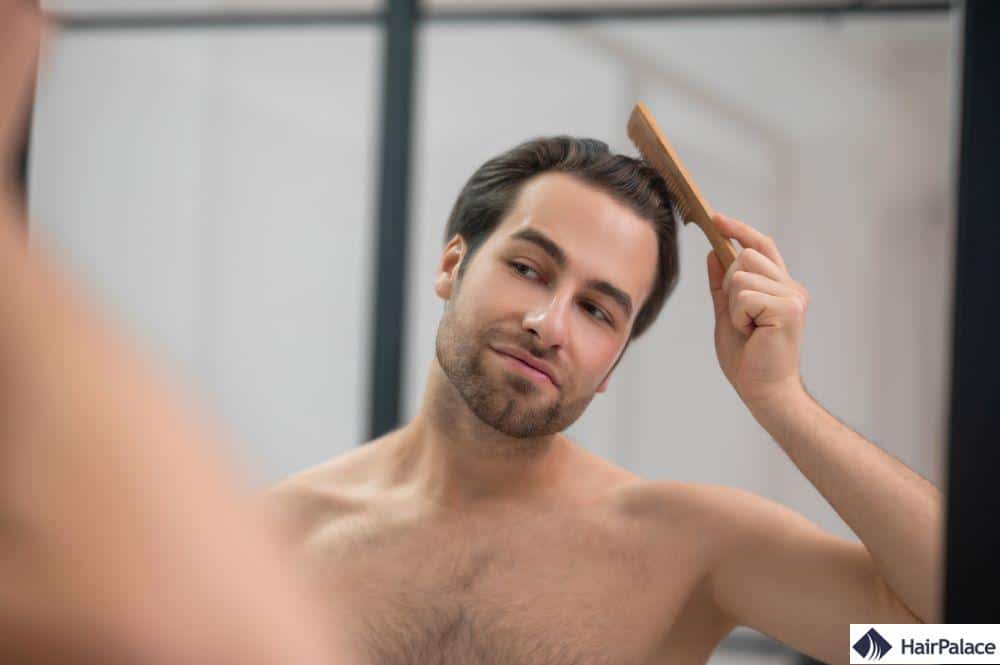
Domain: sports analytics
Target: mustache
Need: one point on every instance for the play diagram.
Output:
(519, 342)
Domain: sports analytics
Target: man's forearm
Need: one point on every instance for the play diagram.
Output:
(896, 513)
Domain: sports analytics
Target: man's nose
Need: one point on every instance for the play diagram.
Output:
(549, 321)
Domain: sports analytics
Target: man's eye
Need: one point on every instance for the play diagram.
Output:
(522, 269)
(597, 312)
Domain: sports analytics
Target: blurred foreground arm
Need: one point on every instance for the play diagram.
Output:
(123, 537)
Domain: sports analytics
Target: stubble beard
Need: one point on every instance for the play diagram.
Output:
(461, 356)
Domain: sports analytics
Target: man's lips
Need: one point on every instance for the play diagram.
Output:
(534, 368)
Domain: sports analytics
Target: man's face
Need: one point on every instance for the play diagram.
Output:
(559, 281)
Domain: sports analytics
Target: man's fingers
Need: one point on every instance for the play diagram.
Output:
(751, 260)
(748, 236)
(715, 271)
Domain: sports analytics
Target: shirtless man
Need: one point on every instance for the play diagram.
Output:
(479, 533)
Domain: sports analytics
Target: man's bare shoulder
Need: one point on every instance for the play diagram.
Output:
(718, 516)
(660, 497)
(676, 503)
(323, 493)
(721, 506)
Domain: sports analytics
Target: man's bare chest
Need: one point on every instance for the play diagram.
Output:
(542, 589)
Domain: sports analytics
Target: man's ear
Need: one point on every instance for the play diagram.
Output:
(451, 259)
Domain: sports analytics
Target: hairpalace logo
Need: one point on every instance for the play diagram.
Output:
(872, 646)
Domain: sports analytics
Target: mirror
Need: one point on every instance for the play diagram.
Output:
(215, 183)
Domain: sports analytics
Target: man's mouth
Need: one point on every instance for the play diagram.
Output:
(537, 375)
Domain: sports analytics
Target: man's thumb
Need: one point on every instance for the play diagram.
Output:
(716, 274)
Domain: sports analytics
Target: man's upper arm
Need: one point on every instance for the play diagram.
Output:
(776, 572)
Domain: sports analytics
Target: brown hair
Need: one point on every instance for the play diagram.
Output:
(491, 191)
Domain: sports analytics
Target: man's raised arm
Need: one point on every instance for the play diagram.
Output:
(898, 515)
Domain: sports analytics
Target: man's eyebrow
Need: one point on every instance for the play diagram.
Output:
(616, 294)
(550, 247)
(545, 242)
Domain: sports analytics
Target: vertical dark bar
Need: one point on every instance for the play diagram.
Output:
(22, 163)
(972, 580)
(24, 152)
(393, 216)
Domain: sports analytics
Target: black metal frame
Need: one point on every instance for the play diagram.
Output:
(22, 164)
(971, 581)
(263, 19)
(393, 218)
(215, 20)
(24, 152)
(974, 424)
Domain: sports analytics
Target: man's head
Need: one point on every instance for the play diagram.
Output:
(564, 252)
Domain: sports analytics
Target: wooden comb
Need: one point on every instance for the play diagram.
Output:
(659, 154)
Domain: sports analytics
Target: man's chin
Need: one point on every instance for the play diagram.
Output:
(522, 416)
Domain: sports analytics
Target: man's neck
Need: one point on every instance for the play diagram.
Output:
(453, 458)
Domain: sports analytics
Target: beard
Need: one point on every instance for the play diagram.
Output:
(511, 404)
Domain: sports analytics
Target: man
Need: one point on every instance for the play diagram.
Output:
(479, 533)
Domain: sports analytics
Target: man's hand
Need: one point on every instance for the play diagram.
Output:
(759, 315)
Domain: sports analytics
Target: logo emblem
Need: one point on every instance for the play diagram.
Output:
(872, 645)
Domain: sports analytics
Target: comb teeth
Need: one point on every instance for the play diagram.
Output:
(677, 199)
(656, 151)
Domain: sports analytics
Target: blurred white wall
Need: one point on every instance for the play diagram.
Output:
(214, 190)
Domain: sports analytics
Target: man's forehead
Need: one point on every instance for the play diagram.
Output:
(555, 192)
(598, 234)
(564, 204)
